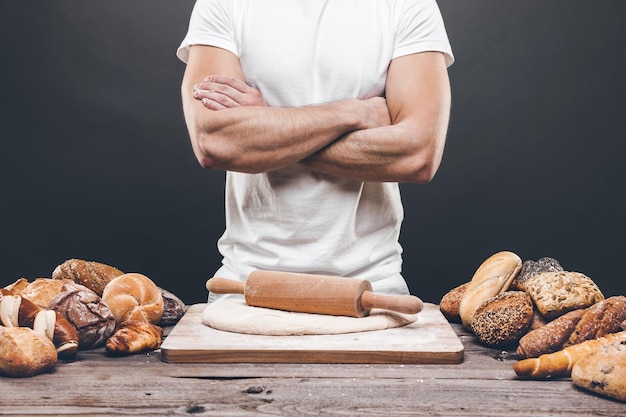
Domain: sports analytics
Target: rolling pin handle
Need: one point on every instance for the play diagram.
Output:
(407, 304)
(219, 285)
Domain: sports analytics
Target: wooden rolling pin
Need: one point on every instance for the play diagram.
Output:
(307, 293)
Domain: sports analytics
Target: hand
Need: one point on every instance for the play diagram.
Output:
(377, 112)
(218, 92)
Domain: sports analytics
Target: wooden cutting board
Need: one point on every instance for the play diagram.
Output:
(429, 340)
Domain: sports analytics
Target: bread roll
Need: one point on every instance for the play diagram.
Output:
(556, 293)
(603, 371)
(503, 319)
(24, 352)
(17, 287)
(134, 296)
(531, 268)
(492, 277)
(134, 336)
(451, 301)
(92, 318)
(93, 275)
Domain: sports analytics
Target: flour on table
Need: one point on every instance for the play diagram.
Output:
(238, 317)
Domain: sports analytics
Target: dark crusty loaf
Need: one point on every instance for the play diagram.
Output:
(92, 318)
(503, 319)
(549, 337)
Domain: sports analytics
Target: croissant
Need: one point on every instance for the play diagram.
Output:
(560, 363)
(134, 336)
(16, 311)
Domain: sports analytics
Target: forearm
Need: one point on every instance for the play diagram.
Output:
(396, 153)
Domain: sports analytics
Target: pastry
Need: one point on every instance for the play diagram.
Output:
(503, 319)
(451, 301)
(531, 268)
(24, 352)
(93, 275)
(603, 371)
(561, 362)
(92, 318)
(134, 336)
(492, 277)
(556, 293)
(134, 296)
(16, 311)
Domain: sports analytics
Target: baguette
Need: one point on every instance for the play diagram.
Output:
(560, 363)
(490, 279)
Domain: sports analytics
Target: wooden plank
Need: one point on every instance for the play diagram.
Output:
(430, 339)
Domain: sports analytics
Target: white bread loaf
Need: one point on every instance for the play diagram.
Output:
(492, 277)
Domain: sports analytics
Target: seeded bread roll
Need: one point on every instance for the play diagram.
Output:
(603, 371)
(93, 275)
(492, 277)
(503, 319)
(451, 301)
(24, 352)
(134, 296)
(556, 293)
(531, 268)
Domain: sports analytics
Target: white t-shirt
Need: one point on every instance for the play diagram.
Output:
(302, 52)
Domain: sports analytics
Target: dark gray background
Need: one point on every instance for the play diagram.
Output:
(96, 163)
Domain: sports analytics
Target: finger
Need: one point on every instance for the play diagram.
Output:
(216, 97)
(212, 105)
(232, 82)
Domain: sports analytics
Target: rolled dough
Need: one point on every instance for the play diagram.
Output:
(238, 317)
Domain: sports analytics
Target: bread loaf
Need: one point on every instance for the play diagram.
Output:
(134, 336)
(574, 327)
(492, 277)
(173, 308)
(134, 296)
(451, 301)
(93, 275)
(503, 319)
(42, 290)
(24, 352)
(556, 293)
(560, 363)
(531, 268)
(603, 371)
(85, 310)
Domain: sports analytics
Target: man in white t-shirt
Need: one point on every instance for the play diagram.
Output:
(316, 109)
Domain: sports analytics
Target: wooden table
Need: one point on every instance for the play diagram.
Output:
(143, 385)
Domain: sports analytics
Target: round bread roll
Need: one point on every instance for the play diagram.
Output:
(92, 318)
(503, 319)
(451, 301)
(93, 275)
(492, 277)
(24, 352)
(134, 296)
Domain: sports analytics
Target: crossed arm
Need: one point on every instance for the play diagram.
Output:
(400, 138)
